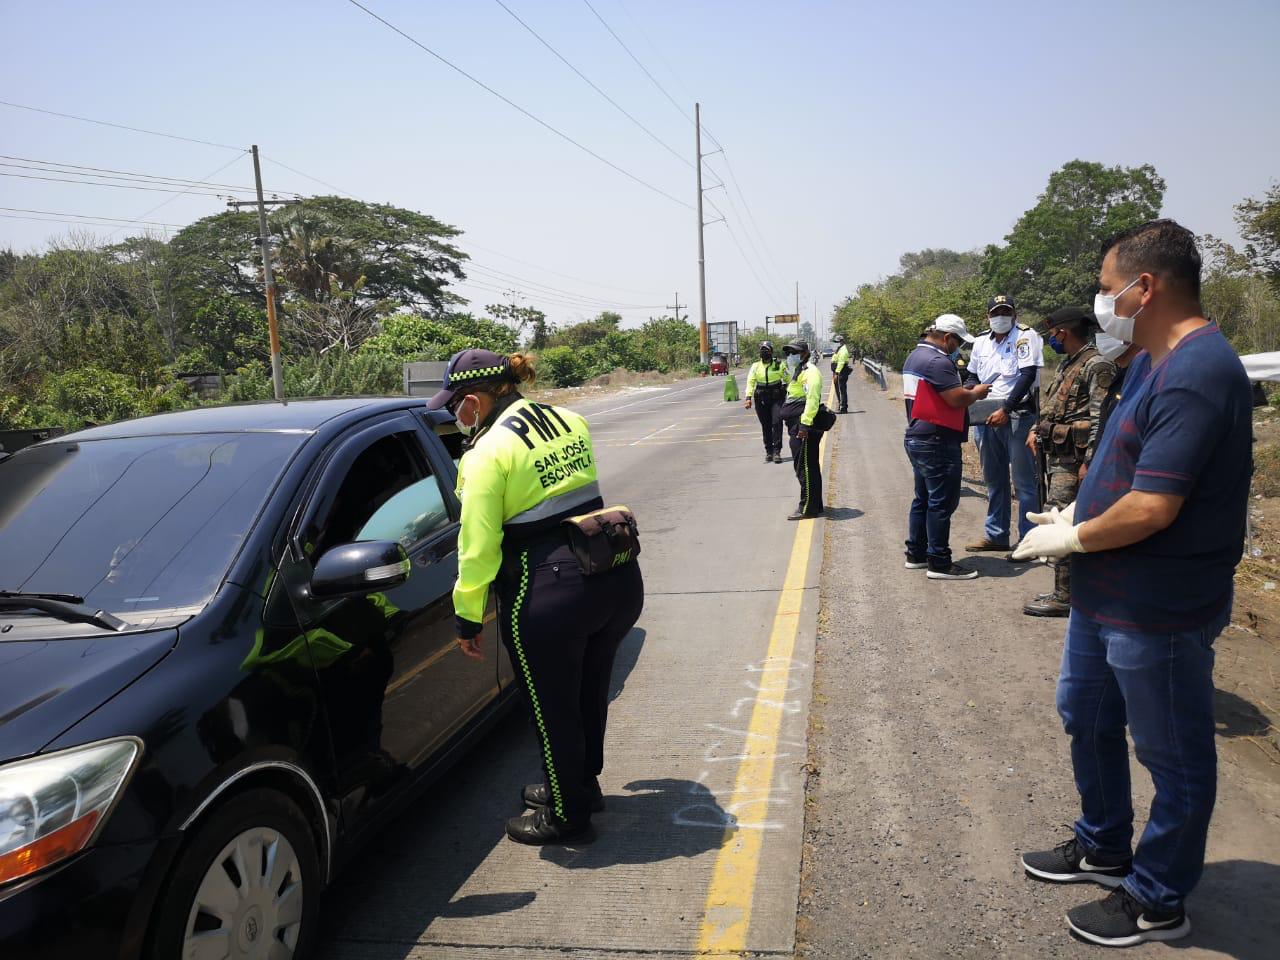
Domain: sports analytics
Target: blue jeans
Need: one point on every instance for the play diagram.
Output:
(1162, 686)
(936, 464)
(1003, 449)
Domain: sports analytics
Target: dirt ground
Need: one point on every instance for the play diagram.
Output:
(937, 757)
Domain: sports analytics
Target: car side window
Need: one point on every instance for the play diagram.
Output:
(388, 493)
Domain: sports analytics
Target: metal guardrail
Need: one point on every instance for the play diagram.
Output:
(877, 371)
(425, 378)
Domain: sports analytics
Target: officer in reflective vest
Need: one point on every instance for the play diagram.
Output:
(804, 397)
(766, 387)
(527, 468)
(841, 367)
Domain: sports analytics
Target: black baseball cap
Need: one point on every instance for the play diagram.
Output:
(1002, 300)
(467, 368)
(1068, 317)
(796, 346)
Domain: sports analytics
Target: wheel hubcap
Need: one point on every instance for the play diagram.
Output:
(249, 904)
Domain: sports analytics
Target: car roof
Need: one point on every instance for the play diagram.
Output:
(293, 416)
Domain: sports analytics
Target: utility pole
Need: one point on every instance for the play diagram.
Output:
(677, 306)
(277, 370)
(703, 347)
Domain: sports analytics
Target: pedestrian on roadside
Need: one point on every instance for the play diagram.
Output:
(804, 398)
(1121, 354)
(1154, 539)
(766, 387)
(528, 475)
(1066, 436)
(1008, 357)
(937, 419)
(841, 368)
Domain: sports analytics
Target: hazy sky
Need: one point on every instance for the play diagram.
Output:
(857, 130)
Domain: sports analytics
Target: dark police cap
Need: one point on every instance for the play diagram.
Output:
(796, 346)
(1002, 300)
(467, 368)
(1068, 317)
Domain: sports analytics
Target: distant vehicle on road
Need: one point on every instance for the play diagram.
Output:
(719, 365)
(228, 647)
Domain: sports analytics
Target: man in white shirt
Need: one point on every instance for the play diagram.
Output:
(1009, 357)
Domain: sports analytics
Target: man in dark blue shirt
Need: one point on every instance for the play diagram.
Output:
(936, 403)
(1156, 533)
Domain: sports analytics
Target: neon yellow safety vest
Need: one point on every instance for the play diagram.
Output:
(807, 386)
(771, 374)
(534, 463)
(841, 358)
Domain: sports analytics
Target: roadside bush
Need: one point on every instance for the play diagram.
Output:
(335, 374)
(407, 336)
(561, 367)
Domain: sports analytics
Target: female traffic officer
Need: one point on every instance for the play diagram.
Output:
(528, 468)
(804, 397)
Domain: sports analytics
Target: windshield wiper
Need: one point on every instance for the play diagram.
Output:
(64, 597)
(65, 606)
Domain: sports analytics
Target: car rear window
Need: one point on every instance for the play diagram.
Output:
(138, 523)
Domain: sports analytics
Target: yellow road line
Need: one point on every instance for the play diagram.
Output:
(726, 917)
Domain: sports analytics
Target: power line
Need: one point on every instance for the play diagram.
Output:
(556, 273)
(764, 267)
(684, 113)
(772, 260)
(164, 203)
(511, 103)
(617, 106)
(751, 269)
(91, 183)
(71, 168)
(121, 126)
(599, 301)
(88, 216)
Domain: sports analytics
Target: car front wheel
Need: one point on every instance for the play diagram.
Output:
(245, 887)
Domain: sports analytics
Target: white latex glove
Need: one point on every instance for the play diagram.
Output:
(1066, 515)
(1051, 541)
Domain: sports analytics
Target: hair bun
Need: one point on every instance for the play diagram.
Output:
(522, 368)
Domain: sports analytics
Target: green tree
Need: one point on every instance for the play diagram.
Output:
(1259, 222)
(1050, 259)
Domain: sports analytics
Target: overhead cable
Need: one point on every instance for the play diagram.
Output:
(511, 103)
(617, 106)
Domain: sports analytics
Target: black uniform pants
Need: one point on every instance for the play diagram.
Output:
(562, 631)
(807, 461)
(768, 404)
(842, 389)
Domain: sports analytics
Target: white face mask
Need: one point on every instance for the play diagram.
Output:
(467, 428)
(1000, 325)
(1109, 346)
(1104, 308)
(793, 362)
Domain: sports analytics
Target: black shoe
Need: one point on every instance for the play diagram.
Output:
(801, 515)
(535, 795)
(1068, 863)
(953, 572)
(1047, 606)
(541, 827)
(916, 563)
(1118, 920)
(768, 458)
(777, 458)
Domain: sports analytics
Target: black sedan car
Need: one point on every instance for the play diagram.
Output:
(226, 652)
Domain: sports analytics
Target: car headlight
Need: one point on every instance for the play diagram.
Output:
(51, 806)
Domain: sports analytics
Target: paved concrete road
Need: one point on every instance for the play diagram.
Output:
(704, 774)
(941, 757)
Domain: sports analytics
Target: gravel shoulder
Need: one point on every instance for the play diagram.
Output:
(937, 756)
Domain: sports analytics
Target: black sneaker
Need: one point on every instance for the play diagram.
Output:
(953, 572)
(540, 827)
(1118, 920)
(534, 796)
(777, 458)
(1068, 863)
(916, 563)
(768, 458)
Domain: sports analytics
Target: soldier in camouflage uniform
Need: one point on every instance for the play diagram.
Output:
(1067, 435)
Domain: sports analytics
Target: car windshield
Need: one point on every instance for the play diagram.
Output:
(138, 523)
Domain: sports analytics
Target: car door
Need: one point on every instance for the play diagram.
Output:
(445, 441)
(394, 685)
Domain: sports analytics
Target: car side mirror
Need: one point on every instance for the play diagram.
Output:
(357, 569)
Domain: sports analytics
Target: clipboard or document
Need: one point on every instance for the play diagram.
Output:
(982, 409)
